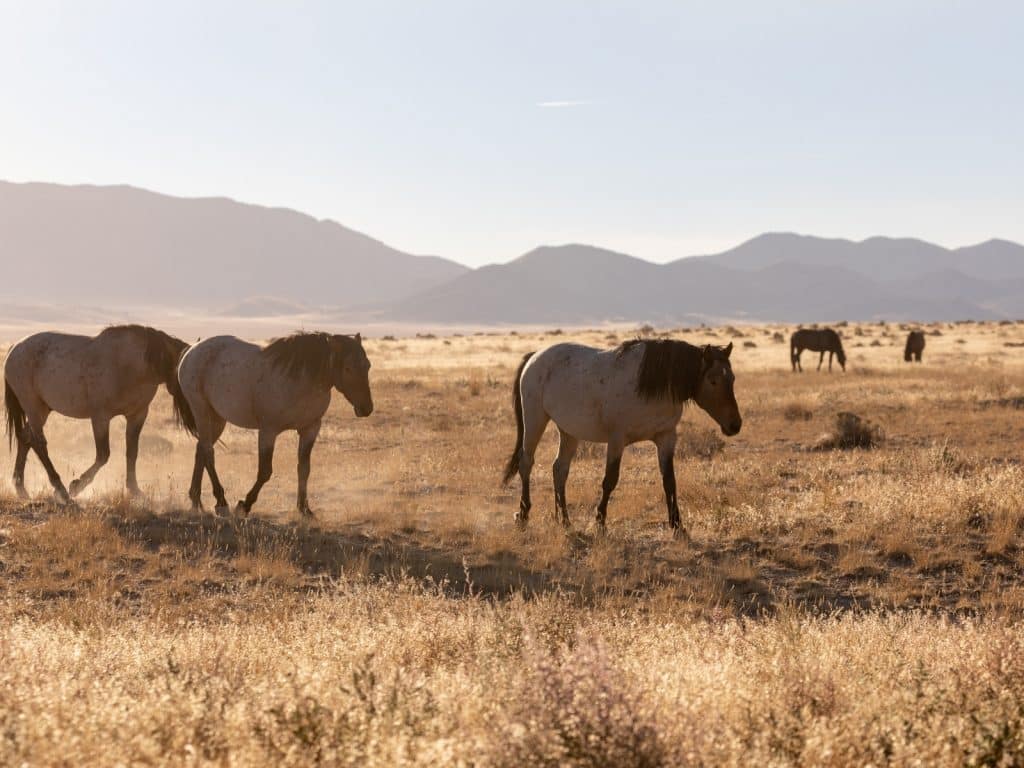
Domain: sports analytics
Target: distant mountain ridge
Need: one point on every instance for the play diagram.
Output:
(782, 277)
(127, 245)
(87, 245)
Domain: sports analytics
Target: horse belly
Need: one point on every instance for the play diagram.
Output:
(63, 389)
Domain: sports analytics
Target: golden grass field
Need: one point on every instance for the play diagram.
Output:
(833, 607)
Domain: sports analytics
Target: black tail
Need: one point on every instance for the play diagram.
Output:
(512, 468)
(15, 414)
(182, 410)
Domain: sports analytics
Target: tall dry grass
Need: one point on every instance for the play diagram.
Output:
(832, 607)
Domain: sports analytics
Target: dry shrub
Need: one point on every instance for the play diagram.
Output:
(778, 338)
(574, 708)
(850, 431)
(703, 442)
(749, 344)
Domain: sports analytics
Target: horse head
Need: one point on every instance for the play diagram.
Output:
(351, 372)
(715, 389)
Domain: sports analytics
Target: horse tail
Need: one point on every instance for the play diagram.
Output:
(907, 349)
(183, 415)
(512, 467)
(16, 419)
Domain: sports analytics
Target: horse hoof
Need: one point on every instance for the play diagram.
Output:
(240, 509)
(22, 493)
(75, 487)
(307, 513)
(221, 510)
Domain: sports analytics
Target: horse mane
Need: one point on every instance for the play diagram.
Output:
(307, 354)
(668, 368)
(163, 351)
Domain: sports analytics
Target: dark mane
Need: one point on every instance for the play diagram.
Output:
(312, 354)
(163, 351)
(668, 368)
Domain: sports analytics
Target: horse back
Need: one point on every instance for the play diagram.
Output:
(233, 379)
(591, 393)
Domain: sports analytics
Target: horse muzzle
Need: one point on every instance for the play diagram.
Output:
(732, 428)
(362, 411)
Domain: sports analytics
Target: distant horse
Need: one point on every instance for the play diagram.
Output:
(285, 385)
(621, 396)
(823, 340)
(115, 373)
(915, 346)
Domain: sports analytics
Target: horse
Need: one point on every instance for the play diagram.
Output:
(621, 396)
(915, 346)
(115, 373)
(823, 340)
(284, 385)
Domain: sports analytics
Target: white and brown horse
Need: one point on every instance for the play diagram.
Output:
(115, 373)
(625, 395)
(285, 385)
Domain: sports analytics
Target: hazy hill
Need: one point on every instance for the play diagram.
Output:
(879, 258)
(87, 246)
(126, 245)
(772, 277)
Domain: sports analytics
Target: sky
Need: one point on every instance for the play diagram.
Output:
(479, 130)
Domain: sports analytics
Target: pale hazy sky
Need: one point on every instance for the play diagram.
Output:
(477, 130)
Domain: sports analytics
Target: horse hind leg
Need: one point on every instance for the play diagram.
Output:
(821, 359)
(210, 427)
(20, 459)
(567, 445)
(101, 435)
(37, 414)
(535, 421)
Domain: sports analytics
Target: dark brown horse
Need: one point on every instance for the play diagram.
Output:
(115, 373)
(817, 340)
(915, 346)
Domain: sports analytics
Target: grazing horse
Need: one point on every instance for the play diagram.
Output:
(823, 340)
(285, 385)
(915, 346)
(115, 373)
(620, 396)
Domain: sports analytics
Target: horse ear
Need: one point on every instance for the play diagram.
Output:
(706, 352)
(359, 337)
(728, 350)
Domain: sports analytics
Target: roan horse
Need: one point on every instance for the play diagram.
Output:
(115, 373)
(285, 385)
(915, 346)
(823, 340)
(621, 396)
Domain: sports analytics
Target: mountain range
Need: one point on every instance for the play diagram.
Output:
(126, 246)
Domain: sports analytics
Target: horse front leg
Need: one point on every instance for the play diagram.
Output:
(613, 461)
(132, 433)
(830, 353)
(101, 434)
(666, 444)
(307, 438)
(821, 359)
(267, 439)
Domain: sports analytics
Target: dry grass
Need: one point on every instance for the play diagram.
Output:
(836, 608)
